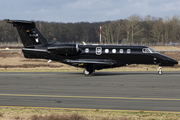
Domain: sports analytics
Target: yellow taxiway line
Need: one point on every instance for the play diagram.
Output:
(90, 97)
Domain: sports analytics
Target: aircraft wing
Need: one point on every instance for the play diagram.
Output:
(92, 61)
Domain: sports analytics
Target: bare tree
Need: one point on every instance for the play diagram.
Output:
(136, 29)
(127, 29)
(158, 30)
(106, 33)
(148, 23)
(119, 30)
(167, 29)
(175, 26)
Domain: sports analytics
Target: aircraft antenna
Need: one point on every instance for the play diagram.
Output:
(83, 43)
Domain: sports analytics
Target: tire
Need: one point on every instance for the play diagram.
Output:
(160, 72)
(86, 72)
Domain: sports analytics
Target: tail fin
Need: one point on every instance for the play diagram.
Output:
(28, 32)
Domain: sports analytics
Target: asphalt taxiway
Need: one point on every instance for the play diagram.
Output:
(146, 91)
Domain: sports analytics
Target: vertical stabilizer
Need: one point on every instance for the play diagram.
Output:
(28, 32)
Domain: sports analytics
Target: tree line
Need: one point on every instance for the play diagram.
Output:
(131, 30)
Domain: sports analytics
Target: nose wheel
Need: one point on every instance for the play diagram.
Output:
(160, 71)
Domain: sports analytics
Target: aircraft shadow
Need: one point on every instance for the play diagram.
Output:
(118, 73)
(130, 73)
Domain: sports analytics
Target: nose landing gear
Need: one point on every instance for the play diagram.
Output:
(160, 71)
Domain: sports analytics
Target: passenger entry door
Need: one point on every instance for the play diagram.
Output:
(98, 50)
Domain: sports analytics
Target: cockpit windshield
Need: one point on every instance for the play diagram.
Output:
(148, 50)
(153, 51)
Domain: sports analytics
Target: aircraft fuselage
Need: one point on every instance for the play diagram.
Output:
(101, 56)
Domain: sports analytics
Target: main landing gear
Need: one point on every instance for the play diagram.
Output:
(86, 72)
(89, 69)
(160, 71)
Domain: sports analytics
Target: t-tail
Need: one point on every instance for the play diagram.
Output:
(28, 32)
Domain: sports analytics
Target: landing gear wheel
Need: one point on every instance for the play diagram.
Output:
(86, 72)
(160, 72)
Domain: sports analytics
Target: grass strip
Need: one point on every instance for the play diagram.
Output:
(23, 113)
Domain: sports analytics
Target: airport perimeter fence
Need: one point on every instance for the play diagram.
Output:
(10, 44)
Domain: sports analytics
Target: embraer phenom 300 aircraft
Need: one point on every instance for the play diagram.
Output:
(90, 57)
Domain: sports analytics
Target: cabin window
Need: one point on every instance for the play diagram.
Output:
(86, 50)
(106, 50)
(113, 50)
(128, 50)
(121, 51)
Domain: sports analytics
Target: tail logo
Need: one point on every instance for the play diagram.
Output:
(33, 35)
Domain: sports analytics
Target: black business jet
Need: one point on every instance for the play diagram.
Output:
(90, 57)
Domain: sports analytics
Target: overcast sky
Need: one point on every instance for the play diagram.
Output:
(85, 10)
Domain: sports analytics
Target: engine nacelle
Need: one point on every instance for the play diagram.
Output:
(64, 49)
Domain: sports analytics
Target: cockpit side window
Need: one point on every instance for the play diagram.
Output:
(146, 50)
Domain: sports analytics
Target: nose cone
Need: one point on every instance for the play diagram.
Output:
(173, 61)
(166, 61)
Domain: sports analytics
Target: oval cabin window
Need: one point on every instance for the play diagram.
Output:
(113, 50)
(86, 50)
(106, 50)
(128, 51)
(121, 51)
